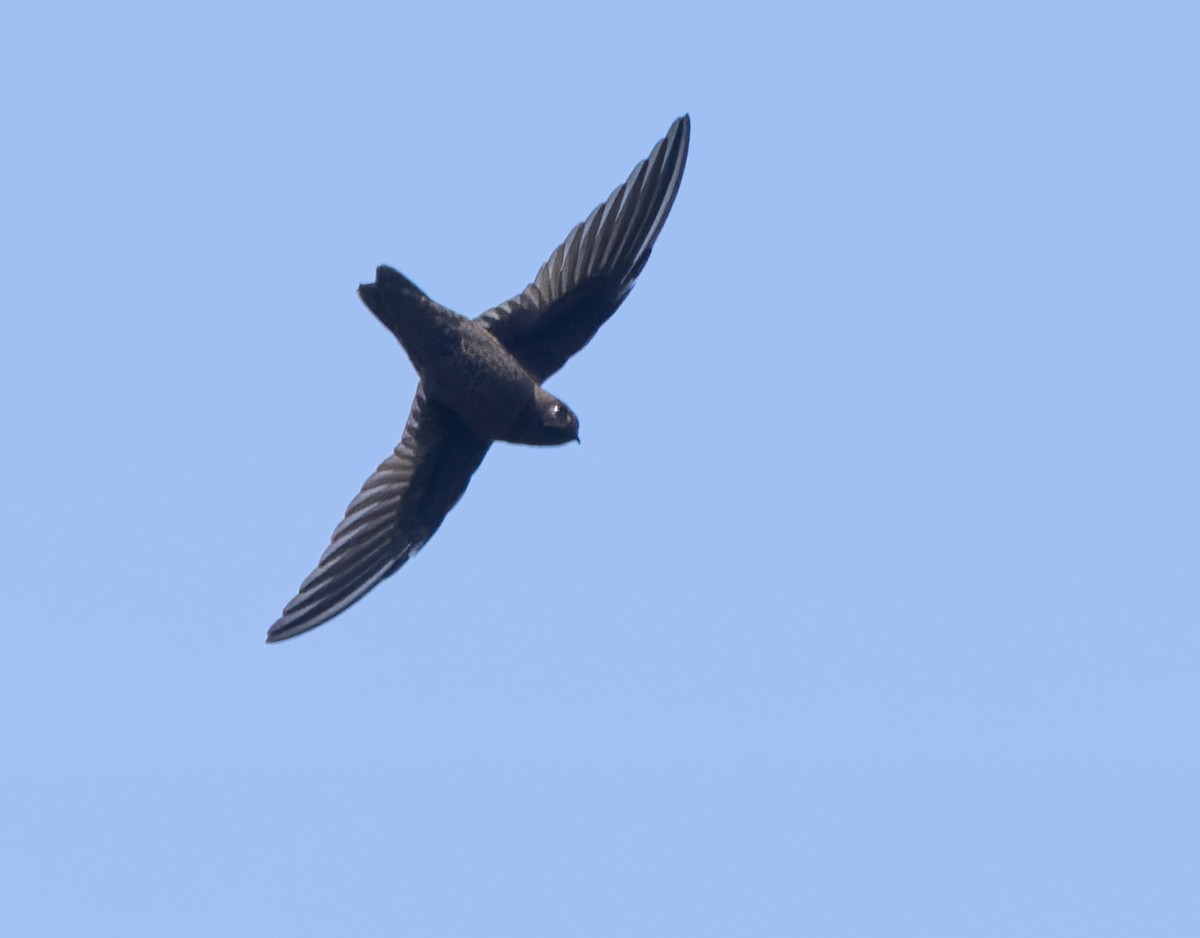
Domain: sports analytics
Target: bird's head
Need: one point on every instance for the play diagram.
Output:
(545, 421)
(559, 423)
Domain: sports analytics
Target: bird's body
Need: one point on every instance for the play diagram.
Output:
(481, 382)
(462, 365)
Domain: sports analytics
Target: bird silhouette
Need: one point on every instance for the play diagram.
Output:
(481, 381)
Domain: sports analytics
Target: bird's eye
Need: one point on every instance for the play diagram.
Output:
(557, 410)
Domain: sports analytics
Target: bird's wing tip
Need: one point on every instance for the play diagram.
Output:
(279, 632)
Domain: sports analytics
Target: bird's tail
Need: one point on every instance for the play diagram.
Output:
(392, 298)
(411, 316)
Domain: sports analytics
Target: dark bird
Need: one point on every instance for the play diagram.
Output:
(481, 381)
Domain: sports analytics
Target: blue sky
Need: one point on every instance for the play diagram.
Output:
(868, 605)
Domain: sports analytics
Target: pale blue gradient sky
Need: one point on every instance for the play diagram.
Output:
(868, 606)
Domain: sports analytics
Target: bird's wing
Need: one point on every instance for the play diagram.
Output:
(397, 511)
(592, 271)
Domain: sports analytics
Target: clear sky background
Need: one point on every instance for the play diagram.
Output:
(868, 606)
